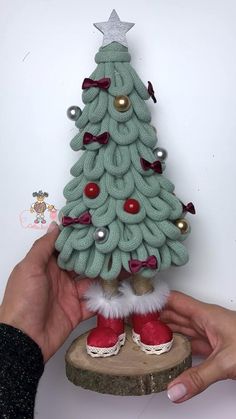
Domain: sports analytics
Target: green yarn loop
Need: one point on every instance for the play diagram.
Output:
(113, 52)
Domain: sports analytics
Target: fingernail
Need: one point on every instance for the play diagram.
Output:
(176, 392)
(52, 226)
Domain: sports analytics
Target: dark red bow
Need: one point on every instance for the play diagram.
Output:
(101, 139)
(189, 208)
(85, 218)
(102, 83)
(135, 264)
(156, 165)
(151, 92)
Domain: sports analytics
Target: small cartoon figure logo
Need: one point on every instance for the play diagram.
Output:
(44, 213)
(39, 207)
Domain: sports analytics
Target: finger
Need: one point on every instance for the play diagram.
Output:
(73, 275)
(170, 316)
(86, 314)
(44, 247)
(193, 381)
(187, 331)
(184, 304)
(82, 285)
(200, 347)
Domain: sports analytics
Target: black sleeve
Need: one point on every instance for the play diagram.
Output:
(21, 366)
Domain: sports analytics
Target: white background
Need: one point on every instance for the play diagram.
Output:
(187, 49)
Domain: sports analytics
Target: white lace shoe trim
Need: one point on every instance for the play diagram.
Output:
(152, 349)
(156, 349)
(135, 337)
(104, 352)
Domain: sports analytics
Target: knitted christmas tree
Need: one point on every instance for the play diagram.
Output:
(121, 212)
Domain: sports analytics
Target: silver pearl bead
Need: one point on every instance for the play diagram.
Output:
(73, 113)
(101, 234)
(160, 153)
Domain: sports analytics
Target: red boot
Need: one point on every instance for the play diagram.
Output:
(151, 334)
(107, 338)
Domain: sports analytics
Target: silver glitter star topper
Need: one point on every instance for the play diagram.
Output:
(114, 30)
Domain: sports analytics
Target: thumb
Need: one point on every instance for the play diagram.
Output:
(44, 247)
(193, 381)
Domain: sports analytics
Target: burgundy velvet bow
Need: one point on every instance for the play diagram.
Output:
(156, 165)
(189, 208)
(102, 83)
(151, 92)
(85, 218)
(135, 264)
(101, 139)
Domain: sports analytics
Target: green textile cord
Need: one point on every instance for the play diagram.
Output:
(116, 168)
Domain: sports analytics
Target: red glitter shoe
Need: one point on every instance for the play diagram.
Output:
(151, 334)
(107, 338)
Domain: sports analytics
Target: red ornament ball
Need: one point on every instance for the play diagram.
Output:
(91, 190)
(132, 206)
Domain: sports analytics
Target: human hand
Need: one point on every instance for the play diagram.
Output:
(212, 332)
(41, 299)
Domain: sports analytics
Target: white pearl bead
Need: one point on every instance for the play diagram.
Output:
(73, 113)
(160, 153)
(101, 234)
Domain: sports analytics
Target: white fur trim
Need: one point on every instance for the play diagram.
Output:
(109, 306)
(146, 303)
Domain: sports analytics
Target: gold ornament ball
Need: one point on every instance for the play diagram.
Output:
(183, 225)
(122, 103)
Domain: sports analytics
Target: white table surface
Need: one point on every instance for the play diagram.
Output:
(187, 49)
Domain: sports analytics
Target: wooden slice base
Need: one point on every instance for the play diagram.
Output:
(130, 373)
